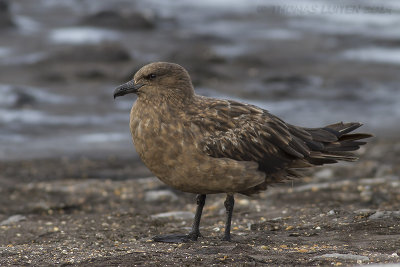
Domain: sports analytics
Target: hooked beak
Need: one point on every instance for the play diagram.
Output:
(127, 88)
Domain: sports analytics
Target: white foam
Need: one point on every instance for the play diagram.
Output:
(36, 117)
(103, 137)
(12, 138)
(82, 35)
(5, 51)
(374, 54)
(24, 59)
(278, 34)
(26, 24)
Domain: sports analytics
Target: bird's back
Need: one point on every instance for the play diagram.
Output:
(244, 132)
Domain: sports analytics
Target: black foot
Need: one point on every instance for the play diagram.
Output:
(226, 238)
(174, 238)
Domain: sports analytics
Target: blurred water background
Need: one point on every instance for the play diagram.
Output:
(310, 62)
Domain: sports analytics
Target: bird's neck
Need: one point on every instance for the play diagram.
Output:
(158, 110)
(165, 104)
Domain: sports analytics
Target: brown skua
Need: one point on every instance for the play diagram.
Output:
(205, 145)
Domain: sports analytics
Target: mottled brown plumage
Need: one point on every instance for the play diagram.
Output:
(205, 145)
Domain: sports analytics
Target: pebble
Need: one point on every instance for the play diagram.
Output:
(13, 219)
(331, 212)
(343, 257)
(324, 174)
(177, 215)
(160, 195)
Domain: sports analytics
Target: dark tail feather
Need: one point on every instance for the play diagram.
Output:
(333, 143)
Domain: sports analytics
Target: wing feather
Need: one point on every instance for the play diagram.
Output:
(245, 132)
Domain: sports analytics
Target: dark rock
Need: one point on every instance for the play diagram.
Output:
(5, 16)
(132, 20)
(53, 76)
(91, 74)
(23, 99)
(108, 52)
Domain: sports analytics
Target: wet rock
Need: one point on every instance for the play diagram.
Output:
(131, 20)
(177, 215)
(53, 76)
(198, 53)
(107, 52)
(13, 219)
(343, 257)
(160, 195)
(15, 97)
(5, 16)
(23, 99)
(385, 215)
(91, 74)
(282, 86)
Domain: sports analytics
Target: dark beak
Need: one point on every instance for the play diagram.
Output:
(127, 88)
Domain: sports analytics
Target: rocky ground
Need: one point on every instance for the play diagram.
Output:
(88, 211)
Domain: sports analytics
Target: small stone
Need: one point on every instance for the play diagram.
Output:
(177, 215)
(331, 212)
(13, 219)
(160, 195)
(243, 202)
(324, 174)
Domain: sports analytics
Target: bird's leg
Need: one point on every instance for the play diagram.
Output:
(229, 203)
(194, 233)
